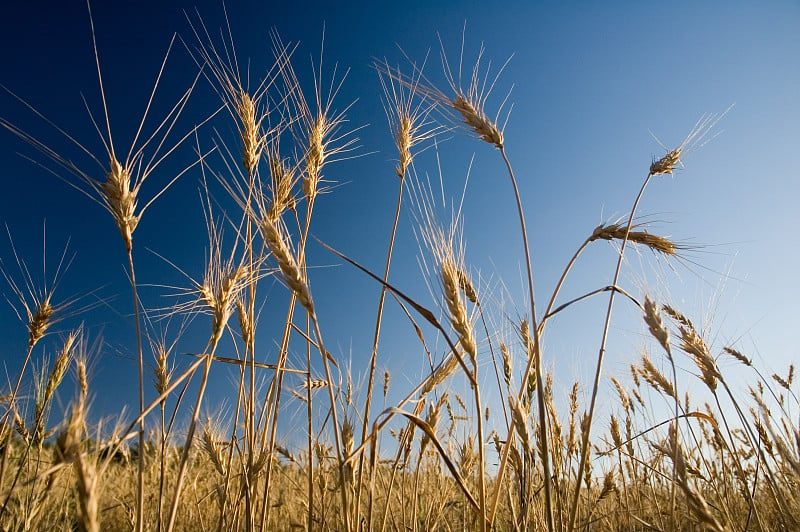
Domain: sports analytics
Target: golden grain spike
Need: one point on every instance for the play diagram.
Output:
(666, 164)
(478, 121)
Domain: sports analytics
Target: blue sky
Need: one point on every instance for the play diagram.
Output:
(592, 87)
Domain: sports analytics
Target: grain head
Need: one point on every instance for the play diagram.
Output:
(287, 264)
(618, 231)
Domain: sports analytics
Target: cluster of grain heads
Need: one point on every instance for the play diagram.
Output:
(245, 320)
(432, 419)
(223, 281)
(221, 291)
(30, 498)
(665, 165)
(652, 317)
(695, 139)
(655, 378)
(348, 469)
(409, 125)
(527, 342)
(447, 266)
(446, 368)
(315, 157)
(738, 356)
(39, 320)
(246, 106)
(403, 140)
(694, 345)
(407, 112)
(314, 384)
(519, 414)
(699, 508)
(455, 304)
(475, 117)
(470, 106)
(447, 251)
(507, 364)
(320, 126)
(121, 199)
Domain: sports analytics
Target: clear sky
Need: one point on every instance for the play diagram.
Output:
(593, 87)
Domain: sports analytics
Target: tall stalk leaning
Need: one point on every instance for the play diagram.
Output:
(448, 252)
(537, 361)
(470, 107)
(665, 165)
(253, 141)
(119, 195)
(295, 278)
(222, 285)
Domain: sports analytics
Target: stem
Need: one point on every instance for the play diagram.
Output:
(560, 284)
(16, 388)
(309, 398)
(239, 400)
(535, 359)
(251, 348)
(190, 436)
(161, 478)
(481, 454)
(334, 417)
(140, 483)
(373, 361)
(278, 383)
(573, 515)
(287, 331)
(494, 359)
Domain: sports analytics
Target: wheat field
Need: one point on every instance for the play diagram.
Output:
(486, 438)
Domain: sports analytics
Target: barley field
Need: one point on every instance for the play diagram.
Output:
(205, 375)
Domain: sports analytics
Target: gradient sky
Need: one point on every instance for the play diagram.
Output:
(593, 88)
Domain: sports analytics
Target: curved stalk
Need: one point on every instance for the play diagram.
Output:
(278, 378)
(573, 515)
(560, 284)
(373, 361)
(190, 435)
(335, 418)
(540, 399)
